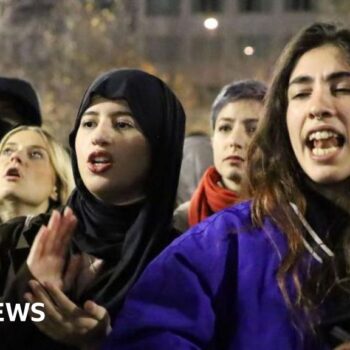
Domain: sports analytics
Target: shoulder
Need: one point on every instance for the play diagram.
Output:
(11, 230)
(228, 234)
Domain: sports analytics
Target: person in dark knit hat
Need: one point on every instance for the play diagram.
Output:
(19, 104)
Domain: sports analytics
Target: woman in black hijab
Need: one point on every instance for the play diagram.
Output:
(126, 150)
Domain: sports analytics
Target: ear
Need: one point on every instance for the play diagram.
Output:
(54, 194)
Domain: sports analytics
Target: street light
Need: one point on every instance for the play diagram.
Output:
(249, 50)
(211, 23)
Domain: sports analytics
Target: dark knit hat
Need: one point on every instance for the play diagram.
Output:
(19, 104)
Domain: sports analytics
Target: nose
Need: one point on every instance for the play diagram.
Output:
(237, 137)
(102, 135)
(16, 157)
(321, 105)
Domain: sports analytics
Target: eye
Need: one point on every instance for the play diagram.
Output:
(123, 124)
(342, 90)
(300, 95)
(250, 129)
(7, 151)
(88, 124)
(225, 128)
(36, 154)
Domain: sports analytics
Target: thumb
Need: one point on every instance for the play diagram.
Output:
(101, 314)
(96, 311)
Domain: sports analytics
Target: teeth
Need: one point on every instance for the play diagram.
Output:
(323, 151)
(101, 160)
(322, 135)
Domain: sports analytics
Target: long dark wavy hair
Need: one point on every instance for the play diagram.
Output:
(274, 172)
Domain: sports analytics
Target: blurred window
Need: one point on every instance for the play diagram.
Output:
(298, 5)
(163, 7)
(163, 49)
(200, 6)
(255, 5)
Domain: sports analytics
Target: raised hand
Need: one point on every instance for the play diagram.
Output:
(47, 256)
(66, 322)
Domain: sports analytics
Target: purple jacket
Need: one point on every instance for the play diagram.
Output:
(213, 288)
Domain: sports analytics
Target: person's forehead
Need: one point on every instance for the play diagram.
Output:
(321, 61)
(244, 108)
(96, 99)
(27, 138)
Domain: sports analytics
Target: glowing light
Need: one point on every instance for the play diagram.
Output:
(249, 50)
(211, 23)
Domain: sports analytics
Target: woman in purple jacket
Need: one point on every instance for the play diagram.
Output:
(272, 273)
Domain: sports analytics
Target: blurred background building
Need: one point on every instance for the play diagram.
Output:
(195, 45)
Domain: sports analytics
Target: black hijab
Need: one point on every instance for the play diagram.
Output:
(128, 237)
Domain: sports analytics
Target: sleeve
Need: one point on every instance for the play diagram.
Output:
(14, 277)
(173, 303)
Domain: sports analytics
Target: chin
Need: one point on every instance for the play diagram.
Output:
(326, 179)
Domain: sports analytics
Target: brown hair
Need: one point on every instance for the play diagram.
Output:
(274, 172)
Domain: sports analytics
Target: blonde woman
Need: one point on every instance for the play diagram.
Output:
(35, 173)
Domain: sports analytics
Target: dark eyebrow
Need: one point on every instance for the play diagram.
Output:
(302, 79)
(226, 119)
(250, 120)
(114, 114)
(305, 79)
(338, 75)
(229, 119)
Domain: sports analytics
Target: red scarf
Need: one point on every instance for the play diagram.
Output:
(209, 197)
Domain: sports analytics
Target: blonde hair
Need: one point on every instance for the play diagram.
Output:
(59, 159)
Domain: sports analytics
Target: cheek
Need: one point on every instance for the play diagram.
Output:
(80, 148)
(218, 153)
(2, 163)
(292, 127)
(138, 147)
(43, 171)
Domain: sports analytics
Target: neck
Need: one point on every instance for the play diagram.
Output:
(131, 201)
(121, 200)
(12, 208)
(338, 193)
(231, 185)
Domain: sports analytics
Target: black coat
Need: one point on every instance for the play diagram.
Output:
(15, 241)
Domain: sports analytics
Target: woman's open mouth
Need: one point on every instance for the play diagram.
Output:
(12, 174)
(325, 142)
(99, 162)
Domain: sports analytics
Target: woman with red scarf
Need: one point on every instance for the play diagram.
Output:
(235, 115)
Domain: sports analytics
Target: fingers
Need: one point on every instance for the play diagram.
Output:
(96, 311)
(53, 226)
(37, 247)
(96, 266)
(41, 296)
(65, 305)
(103, 326)
(66, 229)
(60, 229)
(72, 271)
(53, 318)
